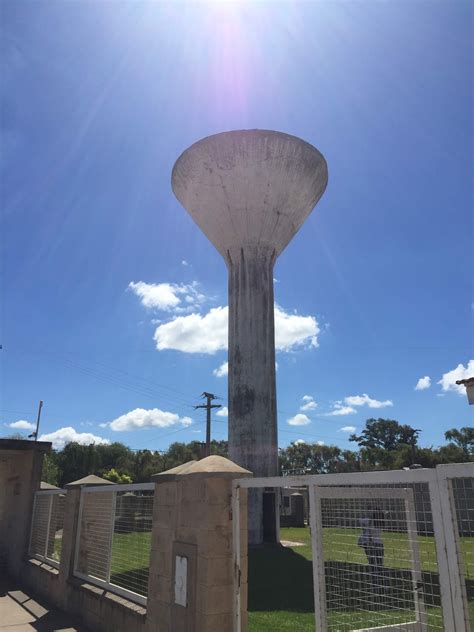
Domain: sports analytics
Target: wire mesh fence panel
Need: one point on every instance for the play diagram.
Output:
(56, 523)
(132, 540)
(378, 562)
(390, 551)
(114, 539)
(39, 525)
(95, 536)
(47, 525)
(421, 527)
(462, 495)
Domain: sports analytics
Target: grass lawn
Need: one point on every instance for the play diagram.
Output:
(340, 545)
(130, 561)
(281, 586)
(280, 579)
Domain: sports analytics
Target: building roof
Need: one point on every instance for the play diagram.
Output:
(44, 485)
(90, 480)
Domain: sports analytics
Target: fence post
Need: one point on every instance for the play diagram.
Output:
(68, 547)
(191, 581)
(444, 551)
(453, 579)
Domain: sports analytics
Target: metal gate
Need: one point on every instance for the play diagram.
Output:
(391, 551)
(368, 586)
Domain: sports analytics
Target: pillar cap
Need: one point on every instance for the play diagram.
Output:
(89, 481)
(213, 466)
(169, 475)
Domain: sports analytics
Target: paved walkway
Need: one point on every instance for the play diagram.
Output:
(20, 613)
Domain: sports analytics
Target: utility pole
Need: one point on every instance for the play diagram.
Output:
(208, 406)
(35, 433)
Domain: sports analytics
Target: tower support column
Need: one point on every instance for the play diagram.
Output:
(253, 435)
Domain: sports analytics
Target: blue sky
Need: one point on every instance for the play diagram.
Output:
(101, 264)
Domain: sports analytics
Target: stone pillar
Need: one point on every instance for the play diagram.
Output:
(253, 437)
(191, 583)
(68, 546)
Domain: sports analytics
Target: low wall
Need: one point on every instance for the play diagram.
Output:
(192, 521)
(99, 609)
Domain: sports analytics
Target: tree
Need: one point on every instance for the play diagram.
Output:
(386, 434)
(50, 472)
(463, 438)
(381, 438)
(117, 477)
(311, 458)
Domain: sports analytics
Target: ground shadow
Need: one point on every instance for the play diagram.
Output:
(134, 579)
(281, 579)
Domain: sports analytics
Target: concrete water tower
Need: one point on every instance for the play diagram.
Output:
(250, 191)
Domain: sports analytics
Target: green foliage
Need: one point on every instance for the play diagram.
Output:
(117, 477)
(463, 438)
(311, 458)
(383, 444)
(50, 472)
(118, 463)
(385, 434)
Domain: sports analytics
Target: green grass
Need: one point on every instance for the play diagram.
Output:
(281, 586)
(280, 579)
(304, 622)
(340, 545)
(130, 561)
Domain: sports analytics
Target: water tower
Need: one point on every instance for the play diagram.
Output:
(250, 191)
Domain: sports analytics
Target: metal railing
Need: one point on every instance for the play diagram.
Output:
(114, 538)
(390, 550)
(47, 526)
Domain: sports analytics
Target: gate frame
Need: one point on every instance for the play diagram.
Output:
(319, 576)
(452, 585)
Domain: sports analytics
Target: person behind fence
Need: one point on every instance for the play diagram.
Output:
(371, 541)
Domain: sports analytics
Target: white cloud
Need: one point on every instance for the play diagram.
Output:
(341, 411)
(363, 400)
(347, 429)
(168, 296)
(299, 442)
(221, 370)
(423, 383)
(299, 420)
(309, 403)
(184, 263)
(208, 333)
(60, 437)
(21, 424)
(320, 443)
(223, 412)
(292, 330)
(153, 418)
(461, 372)
(194, 333)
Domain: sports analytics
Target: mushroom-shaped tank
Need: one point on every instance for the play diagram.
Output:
(250, 187)
(249, 192)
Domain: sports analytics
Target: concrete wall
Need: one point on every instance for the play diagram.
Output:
(20, 475)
